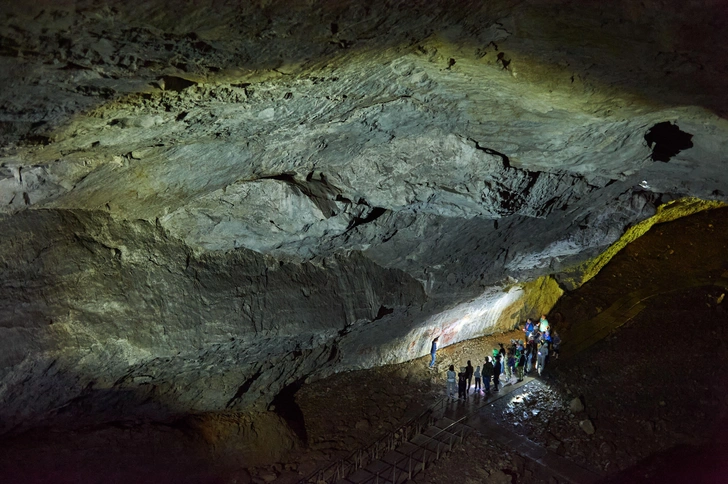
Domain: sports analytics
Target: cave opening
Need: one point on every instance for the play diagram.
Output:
(284, 404)
(667, 140)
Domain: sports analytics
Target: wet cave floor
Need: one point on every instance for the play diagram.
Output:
(655, 391)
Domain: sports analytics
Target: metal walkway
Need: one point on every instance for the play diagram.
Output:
(395, 460)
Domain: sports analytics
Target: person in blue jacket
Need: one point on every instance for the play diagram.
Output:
(433, 351)
(528, 328)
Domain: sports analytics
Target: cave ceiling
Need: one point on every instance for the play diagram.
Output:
(180, 176)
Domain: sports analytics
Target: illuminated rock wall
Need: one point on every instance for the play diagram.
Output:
(207, 203)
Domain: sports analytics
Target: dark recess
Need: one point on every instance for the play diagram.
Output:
(174, 83)
(243, 389)
(286, 407)
(371, 216)
(383, 311)
(668, 140)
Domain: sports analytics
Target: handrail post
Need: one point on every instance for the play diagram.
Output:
(410, 465)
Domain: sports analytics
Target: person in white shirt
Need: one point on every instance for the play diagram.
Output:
(478, 386)
(452, 386)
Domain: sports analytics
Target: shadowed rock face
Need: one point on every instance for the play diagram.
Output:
(205, 204)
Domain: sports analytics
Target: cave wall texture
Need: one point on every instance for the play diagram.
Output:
(205, 202)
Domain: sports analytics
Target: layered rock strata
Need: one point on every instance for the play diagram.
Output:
(207, 204)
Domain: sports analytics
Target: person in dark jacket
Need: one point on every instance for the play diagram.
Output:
(555, 345)
(520, 365)
(511, 364)
(469, 375)
(487, 373)
(543, 354)
(532, 352)
(462, 382)
(496, 372)
(502, 354)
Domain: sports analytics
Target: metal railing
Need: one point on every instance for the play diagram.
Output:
(395, 471)
(363, 457)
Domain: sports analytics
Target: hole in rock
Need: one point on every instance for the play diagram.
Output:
(383, 311)
(667, 140)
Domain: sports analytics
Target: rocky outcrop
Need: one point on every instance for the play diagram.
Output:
(205, 205)
(119, 318)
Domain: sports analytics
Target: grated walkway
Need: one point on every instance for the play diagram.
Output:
(422, 450)
(458, 419)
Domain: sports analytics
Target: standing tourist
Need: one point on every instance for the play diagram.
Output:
(543, 325)
(520, 364)
(469, 374)
(451, 381)
(433, 351)
(487, 373)
(478, 387)
(555, 344)
(496, 373)
(543, 353)
(502, 355)
(511, 364)
(462, 381)
(528, 328)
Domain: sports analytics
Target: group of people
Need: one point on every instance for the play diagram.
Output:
(520, 357)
